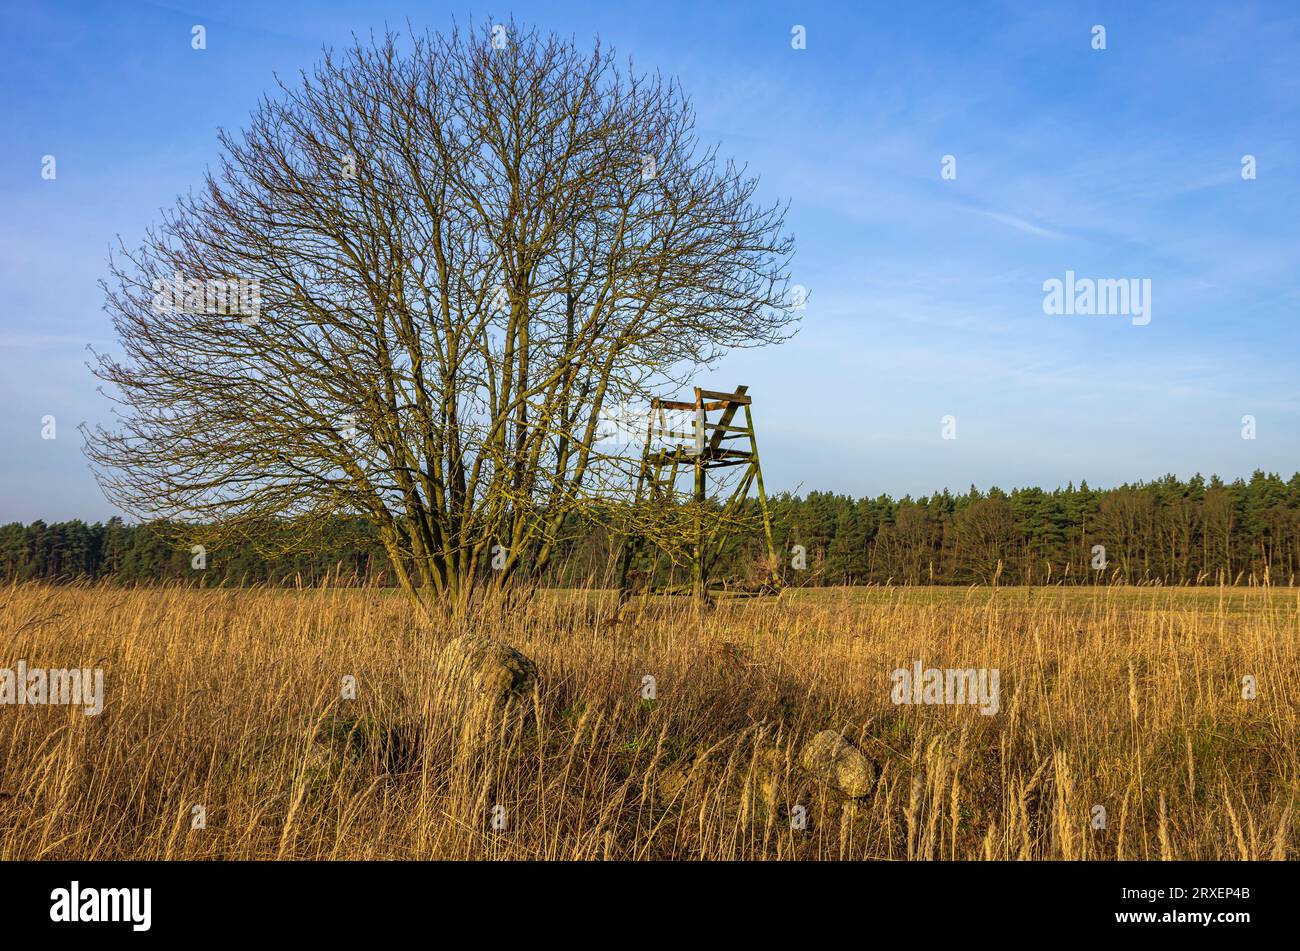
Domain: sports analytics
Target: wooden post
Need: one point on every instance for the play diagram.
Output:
(762, 500)
(698, 581)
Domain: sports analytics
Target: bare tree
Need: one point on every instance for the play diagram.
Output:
(412, 287)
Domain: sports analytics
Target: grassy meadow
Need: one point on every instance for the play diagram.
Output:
(232, 701)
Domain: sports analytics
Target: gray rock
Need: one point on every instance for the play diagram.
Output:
(837, 763)
(494, 672)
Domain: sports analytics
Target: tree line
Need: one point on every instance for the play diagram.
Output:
(1169, 531)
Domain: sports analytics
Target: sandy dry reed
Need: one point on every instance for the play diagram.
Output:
(231, 700)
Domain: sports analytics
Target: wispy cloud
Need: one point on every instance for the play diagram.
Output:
(1020, 224)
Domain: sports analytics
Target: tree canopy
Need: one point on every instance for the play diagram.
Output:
(411, 288)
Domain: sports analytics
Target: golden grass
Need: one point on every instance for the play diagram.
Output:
(1126, 698)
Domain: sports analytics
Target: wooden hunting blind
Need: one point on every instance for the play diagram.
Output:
(697, 439)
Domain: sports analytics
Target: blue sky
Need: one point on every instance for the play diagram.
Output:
(925, 294)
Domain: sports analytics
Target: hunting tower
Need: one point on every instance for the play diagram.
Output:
(696, 439)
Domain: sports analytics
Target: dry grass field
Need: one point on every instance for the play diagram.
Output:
(1125, 698)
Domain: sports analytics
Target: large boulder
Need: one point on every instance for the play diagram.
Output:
(837, 763)
(493, 672)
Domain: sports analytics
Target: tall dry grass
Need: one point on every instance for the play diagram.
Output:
(1125, 698)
